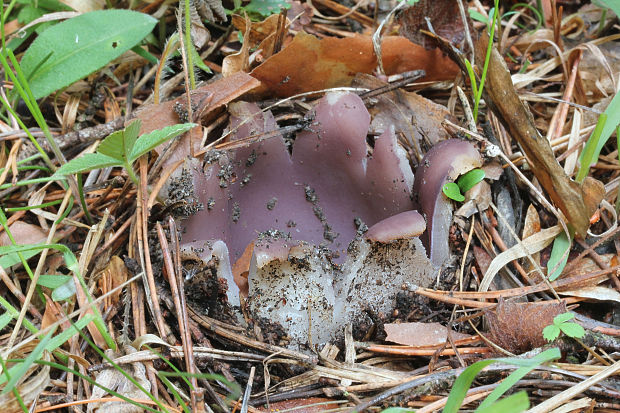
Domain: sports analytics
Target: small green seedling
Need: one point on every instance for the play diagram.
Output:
(463, 184)
(562, 325)
(123, 148)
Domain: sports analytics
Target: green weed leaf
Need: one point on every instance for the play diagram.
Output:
(151, 140)
(119, 144)
(452, 191)
(80, 46)
(52, 281)
(551, 332)
(562, 318)
(515, 403)
(62, 286)
(573, 330)
(7, 260)
(87, 162)
(470, 179)
(64, 292)
(614, 5)
(113, 146)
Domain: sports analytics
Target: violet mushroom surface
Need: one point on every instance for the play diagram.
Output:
(444, 162)
(304, 211)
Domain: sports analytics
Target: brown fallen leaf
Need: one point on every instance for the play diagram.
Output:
(420, 334)
(443, 15)
(517, 327)
(241, 267)
(531, 226)
(259, 31)
(309, 63)
(53, 312)
(577, 201)
(112, 378)
(23, 233)
(412, 115)
(209, 100)
(240, 61)
(299, 14)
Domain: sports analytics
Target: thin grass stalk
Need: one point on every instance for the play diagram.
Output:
(486, 59)
(188, 46)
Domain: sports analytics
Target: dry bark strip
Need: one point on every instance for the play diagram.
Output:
(577, 201)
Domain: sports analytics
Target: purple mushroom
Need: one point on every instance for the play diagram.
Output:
(444, 162)
(315, 263)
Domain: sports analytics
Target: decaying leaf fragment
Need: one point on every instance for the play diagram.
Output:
(420, 334)
(577, 202)
(412, 115)
(517, 327)
(113, 379)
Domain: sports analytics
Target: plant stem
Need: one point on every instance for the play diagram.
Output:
(486, 60)
(188, 45)
(131, 173)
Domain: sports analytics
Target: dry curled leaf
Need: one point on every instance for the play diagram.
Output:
(113, 379)
(413, 116)
(31, 385)
(211, 10)
(113, 275)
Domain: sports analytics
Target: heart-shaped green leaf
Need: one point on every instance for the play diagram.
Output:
(452, 191)
(79, 46)
(470, 179)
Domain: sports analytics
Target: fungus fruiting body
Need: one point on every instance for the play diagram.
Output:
(305, 213)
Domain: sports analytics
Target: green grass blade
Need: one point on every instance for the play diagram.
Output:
(463, 382)
(559, 257)
(15, 313)
(515, 376)
(19, 370)
(515, 403)
(590, 153)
